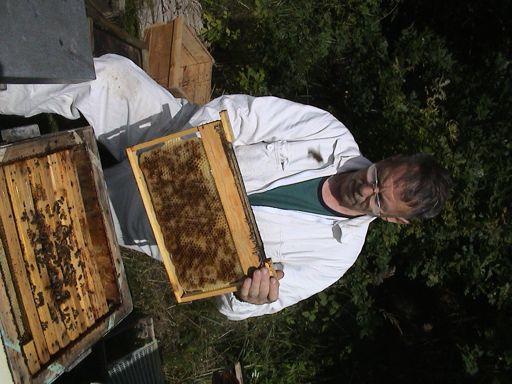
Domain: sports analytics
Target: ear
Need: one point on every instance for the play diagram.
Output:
(396, 220)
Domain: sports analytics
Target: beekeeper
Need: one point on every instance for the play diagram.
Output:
(312, 192)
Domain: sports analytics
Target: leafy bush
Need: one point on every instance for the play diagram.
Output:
(427, 301)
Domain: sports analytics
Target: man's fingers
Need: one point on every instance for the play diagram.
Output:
(254, 291)
(261, 288)
(273, 292)
(244, 290)
(264, 285)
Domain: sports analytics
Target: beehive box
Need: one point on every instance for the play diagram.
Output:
(179, 61)
(62, 283)
(196, 203)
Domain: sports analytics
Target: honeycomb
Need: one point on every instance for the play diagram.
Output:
(51, 278)
(190, 214)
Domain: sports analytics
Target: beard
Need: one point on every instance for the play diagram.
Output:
(345, 188)
(334, 184)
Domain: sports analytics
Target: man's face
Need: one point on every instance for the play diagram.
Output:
(361, 191)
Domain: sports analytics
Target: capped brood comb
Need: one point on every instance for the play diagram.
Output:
(198, 209)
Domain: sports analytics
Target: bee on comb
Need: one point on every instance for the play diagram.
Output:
(197, 205)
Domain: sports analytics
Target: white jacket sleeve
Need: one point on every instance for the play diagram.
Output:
(268, 119)
(320, 268)
(122, 95)
(298, 283)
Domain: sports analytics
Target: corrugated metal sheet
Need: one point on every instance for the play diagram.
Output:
(139, 367)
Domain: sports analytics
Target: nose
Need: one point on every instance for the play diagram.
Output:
(366, 190)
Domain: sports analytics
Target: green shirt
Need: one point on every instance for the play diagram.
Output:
(305, 196)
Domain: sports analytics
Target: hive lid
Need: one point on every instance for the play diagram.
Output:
(32, 52)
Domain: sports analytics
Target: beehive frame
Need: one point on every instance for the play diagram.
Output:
(228, 182)
(65, 164)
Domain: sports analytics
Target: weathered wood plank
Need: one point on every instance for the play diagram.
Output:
(204, 72)
(11, 290)
(159, 40)
(190, 91)
(31, 357)
(229, 195)
(189, 75)
(39, 146)
(187, 58)
(22, 204)
(176, 68)
(226, 126)
(197, 82)
(75, 270)
(44, 200)
(203, 92)
(203, 295)
(194, 45)
(98, 236)
(83, 235)
(11, 333)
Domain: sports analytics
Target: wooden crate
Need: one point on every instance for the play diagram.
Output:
(196, 203)
(179, 61)
(62, 284)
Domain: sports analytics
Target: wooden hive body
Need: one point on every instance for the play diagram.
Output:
(197, 206)
(179, 61)
(62, 284)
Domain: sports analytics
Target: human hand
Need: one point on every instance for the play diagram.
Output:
(261, 288)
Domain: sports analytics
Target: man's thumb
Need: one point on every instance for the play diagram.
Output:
(279, 274)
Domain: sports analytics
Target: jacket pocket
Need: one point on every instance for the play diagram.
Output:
(260, 164)
(297, 156)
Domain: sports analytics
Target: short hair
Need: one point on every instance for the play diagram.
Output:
(425, 184)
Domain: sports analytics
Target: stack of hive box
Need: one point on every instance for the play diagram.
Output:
(62, 282)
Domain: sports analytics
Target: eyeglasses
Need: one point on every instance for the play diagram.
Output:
(374, 181)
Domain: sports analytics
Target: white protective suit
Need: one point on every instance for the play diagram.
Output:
(274, 142)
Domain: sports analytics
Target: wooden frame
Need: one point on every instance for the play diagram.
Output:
(179, 61)
(62, 163)
(232, 195)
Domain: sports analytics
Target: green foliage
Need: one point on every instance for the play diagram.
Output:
(252, 81)
(470, 356)
(129, 18)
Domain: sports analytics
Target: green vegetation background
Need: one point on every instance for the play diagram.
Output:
(430, 302)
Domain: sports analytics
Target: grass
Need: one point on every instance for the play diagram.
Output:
(190, 335)
(183, 331)
(195, 340)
